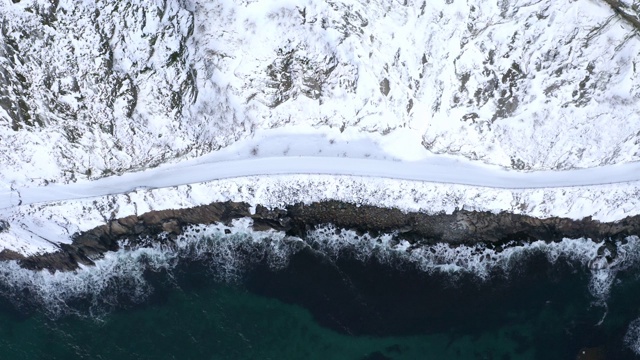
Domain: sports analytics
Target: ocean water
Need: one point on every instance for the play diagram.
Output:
(339, 295)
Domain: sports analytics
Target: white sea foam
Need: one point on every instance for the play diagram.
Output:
(229, 250)
(632, 337)
(483, 261)
(96, 289)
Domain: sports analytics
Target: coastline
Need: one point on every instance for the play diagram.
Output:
(461, 227)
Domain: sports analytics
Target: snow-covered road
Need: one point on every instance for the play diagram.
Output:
(254, 168)
(278, 154)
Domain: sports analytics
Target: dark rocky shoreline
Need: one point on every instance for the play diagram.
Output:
(460, 227)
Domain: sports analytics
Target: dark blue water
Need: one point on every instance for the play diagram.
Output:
(321, 307)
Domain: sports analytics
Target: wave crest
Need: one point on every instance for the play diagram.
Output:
(228, 251)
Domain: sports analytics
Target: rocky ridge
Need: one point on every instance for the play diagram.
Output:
(460, 227)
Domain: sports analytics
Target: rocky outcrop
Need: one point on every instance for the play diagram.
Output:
(3, 225)
(626, 11)
(460, 227)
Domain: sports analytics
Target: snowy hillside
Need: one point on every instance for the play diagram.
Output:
(92, 88)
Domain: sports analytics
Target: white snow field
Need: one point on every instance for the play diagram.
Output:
(281, 153)
(110, 108)
(420, 105)
(91, 88)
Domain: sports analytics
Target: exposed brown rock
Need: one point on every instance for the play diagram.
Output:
(129, 221)
(172, 226)
(460, 227)
(156, 217)
(7, 254)
(116, 228)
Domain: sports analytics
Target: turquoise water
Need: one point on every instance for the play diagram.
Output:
(225, 324)
(321, 308)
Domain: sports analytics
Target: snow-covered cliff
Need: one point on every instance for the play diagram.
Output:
(92, 88)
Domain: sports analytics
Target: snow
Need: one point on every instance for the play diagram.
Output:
(521, 106)
(279, 153)
(114, 86)
(187, 110)
(277, 168)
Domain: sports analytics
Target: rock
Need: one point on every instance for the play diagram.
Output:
(261, 225)
(609, 251)
(157, 217)
(172, 227)
(117, 229)
(4, 226)
(460, 227)
(7, 254)
(129, 221)
(61, 260)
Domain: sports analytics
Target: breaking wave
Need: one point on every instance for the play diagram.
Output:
(123, 276)
(632, 337)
